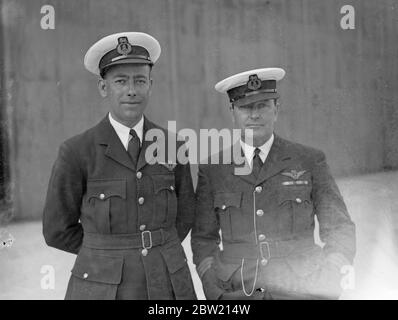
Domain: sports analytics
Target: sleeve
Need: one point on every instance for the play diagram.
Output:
(205, 233)
(185, 200)
(61, 225)
(336, 228)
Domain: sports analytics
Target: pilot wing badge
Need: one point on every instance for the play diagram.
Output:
(170, 166)
(295, 175)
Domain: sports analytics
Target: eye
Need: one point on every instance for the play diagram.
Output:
(141, 81)
(261, 105)
(120, 81)
(245, 108)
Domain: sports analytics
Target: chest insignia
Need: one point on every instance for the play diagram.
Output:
(295, 175)
(169, 166)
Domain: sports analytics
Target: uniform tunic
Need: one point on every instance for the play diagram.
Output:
(125, 223)
(267, 226)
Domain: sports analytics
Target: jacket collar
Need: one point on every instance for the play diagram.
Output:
(279, 158)
(107, 136)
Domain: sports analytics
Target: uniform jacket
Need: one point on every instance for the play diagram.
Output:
(125, 223)
(267, 224)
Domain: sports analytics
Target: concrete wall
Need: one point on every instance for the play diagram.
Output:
(339, 93)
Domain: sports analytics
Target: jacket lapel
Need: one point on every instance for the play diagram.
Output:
(145, 144)
(107, 136)
(241, 170)
(278, 159)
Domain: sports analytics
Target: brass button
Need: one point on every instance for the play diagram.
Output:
(142, 227)
(261, 237)
(139, 175)
(259, 189)
(171, 188)
(102, 196)
(144, 252)
(298, 200)
(141, 200)
(85, 276)
(264, 262)
(260, 213)
(224, 207)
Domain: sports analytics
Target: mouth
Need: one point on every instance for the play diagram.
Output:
(255, 125)
(130, 102)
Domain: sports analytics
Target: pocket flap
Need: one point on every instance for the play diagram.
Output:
(103, 189)
(98, 268)
(174, 257)
(224, 200)
(299, 195)
(163, 182)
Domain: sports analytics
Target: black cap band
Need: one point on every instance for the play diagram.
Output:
(253, 86)
(136, 55)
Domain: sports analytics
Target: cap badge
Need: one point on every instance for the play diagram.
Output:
(124, 47)
(254, 82)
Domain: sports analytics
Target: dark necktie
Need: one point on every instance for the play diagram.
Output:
(133, 148)
(257, 162)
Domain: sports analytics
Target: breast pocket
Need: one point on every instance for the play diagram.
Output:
(106, 198)
(227, 205)
(297, 204)
(165, 198)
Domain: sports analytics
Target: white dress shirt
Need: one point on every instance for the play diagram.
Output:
(123, 132)
(248, 150)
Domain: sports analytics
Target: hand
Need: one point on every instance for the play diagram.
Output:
(210, 285)
(326, 282)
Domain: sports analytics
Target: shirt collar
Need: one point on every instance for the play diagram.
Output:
(248, 150)
(123, 132)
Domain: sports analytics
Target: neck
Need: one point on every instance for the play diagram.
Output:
(257, 141)
(127, 123)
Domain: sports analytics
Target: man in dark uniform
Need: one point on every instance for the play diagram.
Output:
(123, 216)
(266, 215)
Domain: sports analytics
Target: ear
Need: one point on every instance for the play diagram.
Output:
(231, 110)
(277, 105)
(150, 86)
(102, 87)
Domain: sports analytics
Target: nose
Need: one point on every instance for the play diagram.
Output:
(132, 92)
(255, 113)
